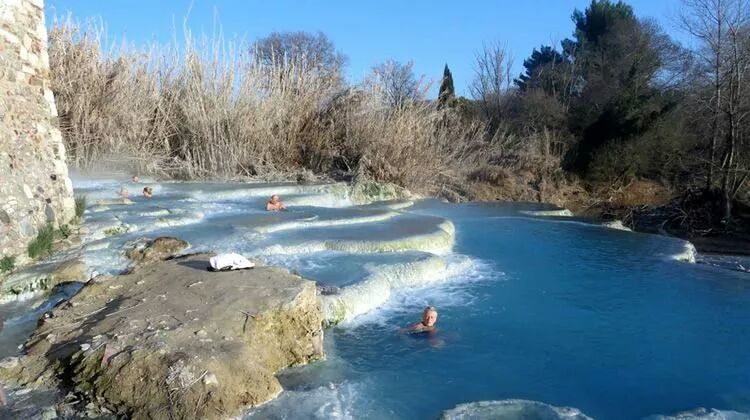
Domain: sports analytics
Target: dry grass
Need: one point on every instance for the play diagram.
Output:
(210, 110)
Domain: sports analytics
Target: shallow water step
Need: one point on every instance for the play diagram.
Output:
(330, 217)
(389, 204)
(210, 192)
(381, 281)
(336, 269)
(405, 232)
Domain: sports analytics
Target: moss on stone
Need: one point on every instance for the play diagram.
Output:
(7, 264)
(117, 230)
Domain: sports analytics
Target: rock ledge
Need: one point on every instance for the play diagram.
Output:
(172, 340)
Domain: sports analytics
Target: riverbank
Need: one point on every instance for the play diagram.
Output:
(642, 206)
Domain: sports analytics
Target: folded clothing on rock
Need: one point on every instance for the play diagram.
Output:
(230, 261)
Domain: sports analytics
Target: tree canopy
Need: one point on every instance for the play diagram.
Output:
(313, 50)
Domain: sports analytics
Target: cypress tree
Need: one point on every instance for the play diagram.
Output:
(447, 92)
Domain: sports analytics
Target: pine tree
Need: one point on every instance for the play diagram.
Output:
(447, 92)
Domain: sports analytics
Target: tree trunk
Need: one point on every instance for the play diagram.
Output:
(717, 110)
(717, 96)
(728, 169)
(727, 205)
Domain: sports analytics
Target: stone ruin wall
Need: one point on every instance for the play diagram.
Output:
(34, 185)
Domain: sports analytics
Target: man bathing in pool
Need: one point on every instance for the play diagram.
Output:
(429, 319)
(275, 204)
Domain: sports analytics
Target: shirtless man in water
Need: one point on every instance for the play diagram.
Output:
(429, 319)
(275, 204)
(123, 193)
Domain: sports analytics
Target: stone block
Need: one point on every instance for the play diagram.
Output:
(9, 37)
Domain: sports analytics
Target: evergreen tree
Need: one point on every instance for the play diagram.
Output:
(546, 69)
(447, 92)
(618, 59)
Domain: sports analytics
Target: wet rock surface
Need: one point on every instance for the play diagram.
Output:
(42, 277)
(172, 340)
(161, 248)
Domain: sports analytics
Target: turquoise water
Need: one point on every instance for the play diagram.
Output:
(566, 313)
(547, 309)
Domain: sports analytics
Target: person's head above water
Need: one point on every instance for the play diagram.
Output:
(148, 192)
(429, 316)
(426, 324)
(275, 203)
(136, 179)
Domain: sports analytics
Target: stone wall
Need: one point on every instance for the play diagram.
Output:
(34, 185)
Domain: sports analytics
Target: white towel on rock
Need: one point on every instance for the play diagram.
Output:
(230, 261)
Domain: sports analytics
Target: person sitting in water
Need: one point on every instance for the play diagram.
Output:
(123, 193)
(136, 179)
(275, 204)
(429, 319)
(148, 192)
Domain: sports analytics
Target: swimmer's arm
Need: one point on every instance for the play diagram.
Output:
(417, 327)
(410, 329)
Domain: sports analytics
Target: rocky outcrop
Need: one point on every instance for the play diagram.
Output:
(34, 185)
(173, 340)
(161, 248)
(364, 191)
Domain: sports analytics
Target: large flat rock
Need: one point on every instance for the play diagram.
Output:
(172, 340)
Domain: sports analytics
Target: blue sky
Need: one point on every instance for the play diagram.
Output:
(431, 33)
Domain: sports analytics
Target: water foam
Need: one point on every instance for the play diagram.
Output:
(334, 401)
(154, 213)
(688, 254)
(377, 288)
(397, 204)
(548, 213)
(703, 414)
(389, 204)
(450, 288)
(616, 225)
(512, 409)
(318, 200)
(179, 219)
